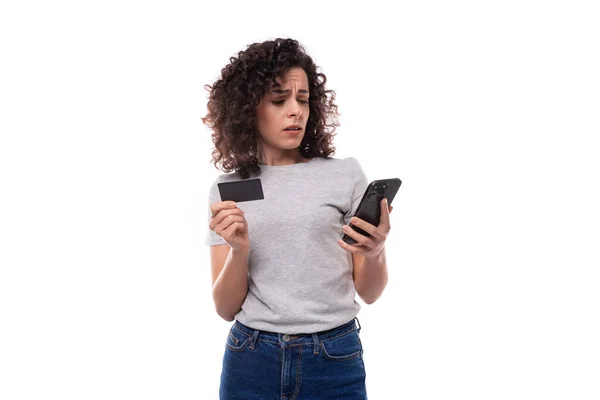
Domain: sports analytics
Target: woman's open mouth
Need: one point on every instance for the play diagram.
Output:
(293, 130)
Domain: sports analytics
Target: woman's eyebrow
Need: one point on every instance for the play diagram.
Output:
(282, 91)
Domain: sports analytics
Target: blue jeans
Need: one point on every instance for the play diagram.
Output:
(261, 365)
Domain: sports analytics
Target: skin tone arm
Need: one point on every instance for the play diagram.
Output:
(229, 263)
(368, 255)
(370, 278)
(231, 286)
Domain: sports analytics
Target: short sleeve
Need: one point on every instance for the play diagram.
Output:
(211, 238)
(359, 185)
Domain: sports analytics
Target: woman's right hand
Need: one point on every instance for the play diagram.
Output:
(230, 223)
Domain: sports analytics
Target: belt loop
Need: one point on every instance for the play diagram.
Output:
(316, 343)
(358, 323)
(253, 339)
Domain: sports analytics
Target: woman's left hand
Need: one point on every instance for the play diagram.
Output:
(369, 247)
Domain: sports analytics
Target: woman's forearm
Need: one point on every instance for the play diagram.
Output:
(231, 286)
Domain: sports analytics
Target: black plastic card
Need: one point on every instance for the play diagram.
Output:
(244, 190)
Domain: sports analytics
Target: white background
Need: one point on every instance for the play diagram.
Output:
(487, 111)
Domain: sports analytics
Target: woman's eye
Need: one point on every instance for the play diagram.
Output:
(279, 102)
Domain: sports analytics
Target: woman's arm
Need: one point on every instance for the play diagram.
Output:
(370, 276)
(231, 286)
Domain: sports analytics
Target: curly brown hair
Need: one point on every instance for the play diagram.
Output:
(235, 95)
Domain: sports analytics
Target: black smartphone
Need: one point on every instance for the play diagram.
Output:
(369, 208)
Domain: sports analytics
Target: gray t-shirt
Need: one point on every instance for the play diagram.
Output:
(299, 278)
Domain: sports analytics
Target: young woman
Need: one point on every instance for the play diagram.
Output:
(279, 268)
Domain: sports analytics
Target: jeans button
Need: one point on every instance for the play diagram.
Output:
(286, 337)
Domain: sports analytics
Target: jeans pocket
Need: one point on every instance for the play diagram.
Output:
(236, 340)
(345, 347)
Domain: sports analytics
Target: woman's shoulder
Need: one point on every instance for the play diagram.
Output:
(221, 178)
(341, 161)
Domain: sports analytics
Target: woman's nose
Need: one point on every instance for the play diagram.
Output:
(296, 110)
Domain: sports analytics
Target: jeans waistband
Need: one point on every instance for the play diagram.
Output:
(276, 337)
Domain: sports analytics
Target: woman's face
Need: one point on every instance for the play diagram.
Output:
(281, 107)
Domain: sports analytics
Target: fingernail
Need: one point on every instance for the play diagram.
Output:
(385, 201)
(232, 205)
